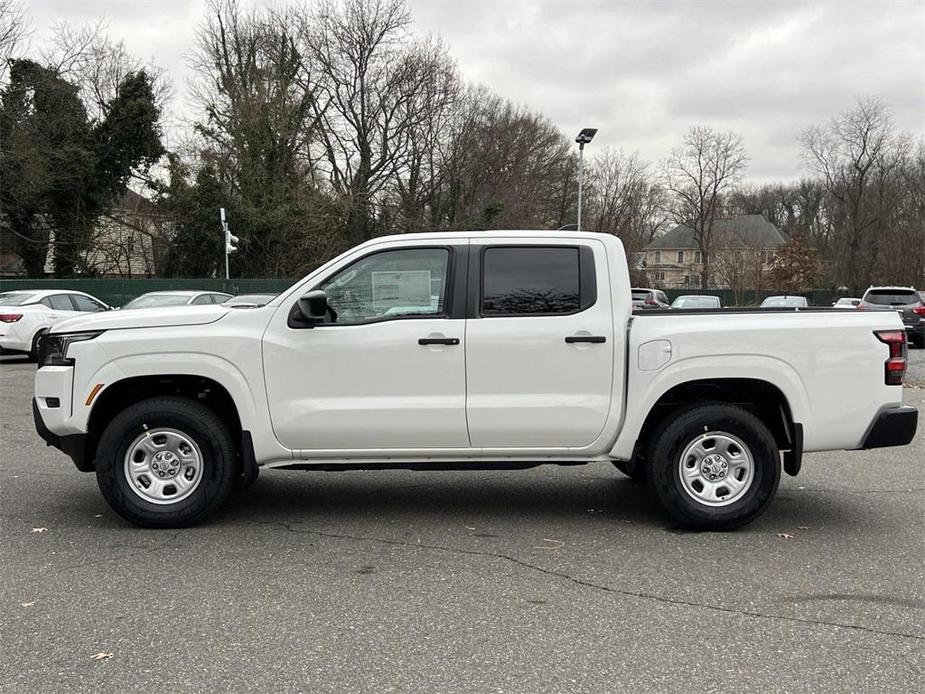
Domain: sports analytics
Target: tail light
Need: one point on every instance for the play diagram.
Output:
(895, 366)
(919, 310)
(10, 317)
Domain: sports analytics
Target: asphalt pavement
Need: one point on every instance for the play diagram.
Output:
(546, 580)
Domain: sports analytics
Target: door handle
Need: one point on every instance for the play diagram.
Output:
(438, 341)
(594, 339)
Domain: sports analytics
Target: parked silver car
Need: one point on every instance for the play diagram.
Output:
(177, 297)
(249, 300)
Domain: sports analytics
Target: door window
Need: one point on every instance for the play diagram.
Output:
(402, 283)
(528, 281)
(85, 303)
(202, 299)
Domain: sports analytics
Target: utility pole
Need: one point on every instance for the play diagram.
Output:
(584, 137)
(230, 240)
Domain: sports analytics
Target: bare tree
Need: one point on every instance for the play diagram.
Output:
(87, 57)
(706, 166)
(15, 29)
(859, 157)
(375, 84)
(624, 200)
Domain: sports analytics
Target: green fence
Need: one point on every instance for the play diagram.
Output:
(118, 292)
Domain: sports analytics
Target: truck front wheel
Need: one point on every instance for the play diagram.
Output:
(166, 462)
(714, 466)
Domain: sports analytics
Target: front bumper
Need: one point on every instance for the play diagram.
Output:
(892, 427)
(74, 445)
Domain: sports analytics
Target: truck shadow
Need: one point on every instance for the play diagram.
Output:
(476, 495)
(542, 496)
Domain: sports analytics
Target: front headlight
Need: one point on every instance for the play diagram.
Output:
(53, 348)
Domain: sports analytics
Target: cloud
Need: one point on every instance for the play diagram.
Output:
(642, 72)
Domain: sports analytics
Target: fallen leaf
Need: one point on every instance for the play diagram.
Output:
(802, 527)
(27, 604)
(556, 544)
(40, 530)
(98, 515)
(101, 656)
(468, 528)
(784, 536)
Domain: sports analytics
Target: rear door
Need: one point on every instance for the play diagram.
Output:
(540, 343)
(59, 306)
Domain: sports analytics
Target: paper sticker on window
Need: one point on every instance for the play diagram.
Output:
(408, 290)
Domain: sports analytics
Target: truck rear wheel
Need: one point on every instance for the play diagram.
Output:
(714, 466)
(166, 462)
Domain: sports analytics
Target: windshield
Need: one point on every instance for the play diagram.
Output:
(783, 302)
(157, 300)
(15, 299)
(891, 297)
(696, 302)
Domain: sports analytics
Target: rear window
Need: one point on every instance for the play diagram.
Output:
(13, 299)
(59, 302)
(530, 281)
(640, 296)
(892, 297)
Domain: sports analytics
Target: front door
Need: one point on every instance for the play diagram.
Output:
(387, 370)
(540, 346)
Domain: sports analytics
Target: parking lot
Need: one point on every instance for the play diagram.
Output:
(546, 580)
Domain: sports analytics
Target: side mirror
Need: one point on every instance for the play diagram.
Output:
(314, 305)
(856, 302)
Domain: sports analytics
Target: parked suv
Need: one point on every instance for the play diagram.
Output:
(906, 302)
(649, 298)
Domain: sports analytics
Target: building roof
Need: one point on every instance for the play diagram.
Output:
(750, 230)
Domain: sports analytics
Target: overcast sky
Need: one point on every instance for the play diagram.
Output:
(640, 72)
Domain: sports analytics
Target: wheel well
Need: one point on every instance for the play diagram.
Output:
(761, 398)
(121, 394)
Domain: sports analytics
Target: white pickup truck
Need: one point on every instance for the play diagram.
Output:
(467, 350)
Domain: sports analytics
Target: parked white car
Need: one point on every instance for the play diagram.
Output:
(846, 302)
(25, 315)
(785, 302)
(696, 301)
(472, 350)
(177, 297)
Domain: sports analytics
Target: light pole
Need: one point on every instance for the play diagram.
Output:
(584, 137)
(230, 239)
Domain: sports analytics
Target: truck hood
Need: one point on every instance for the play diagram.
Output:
(142, 318)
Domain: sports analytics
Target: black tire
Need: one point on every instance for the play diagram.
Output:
(664, 465)
(34, 349)
(919, 342)
(195, 421)
(632, 469)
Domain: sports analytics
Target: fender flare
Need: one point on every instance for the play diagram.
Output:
(768, 369)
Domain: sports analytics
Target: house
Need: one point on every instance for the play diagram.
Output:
(743, 250)
(126, 242)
